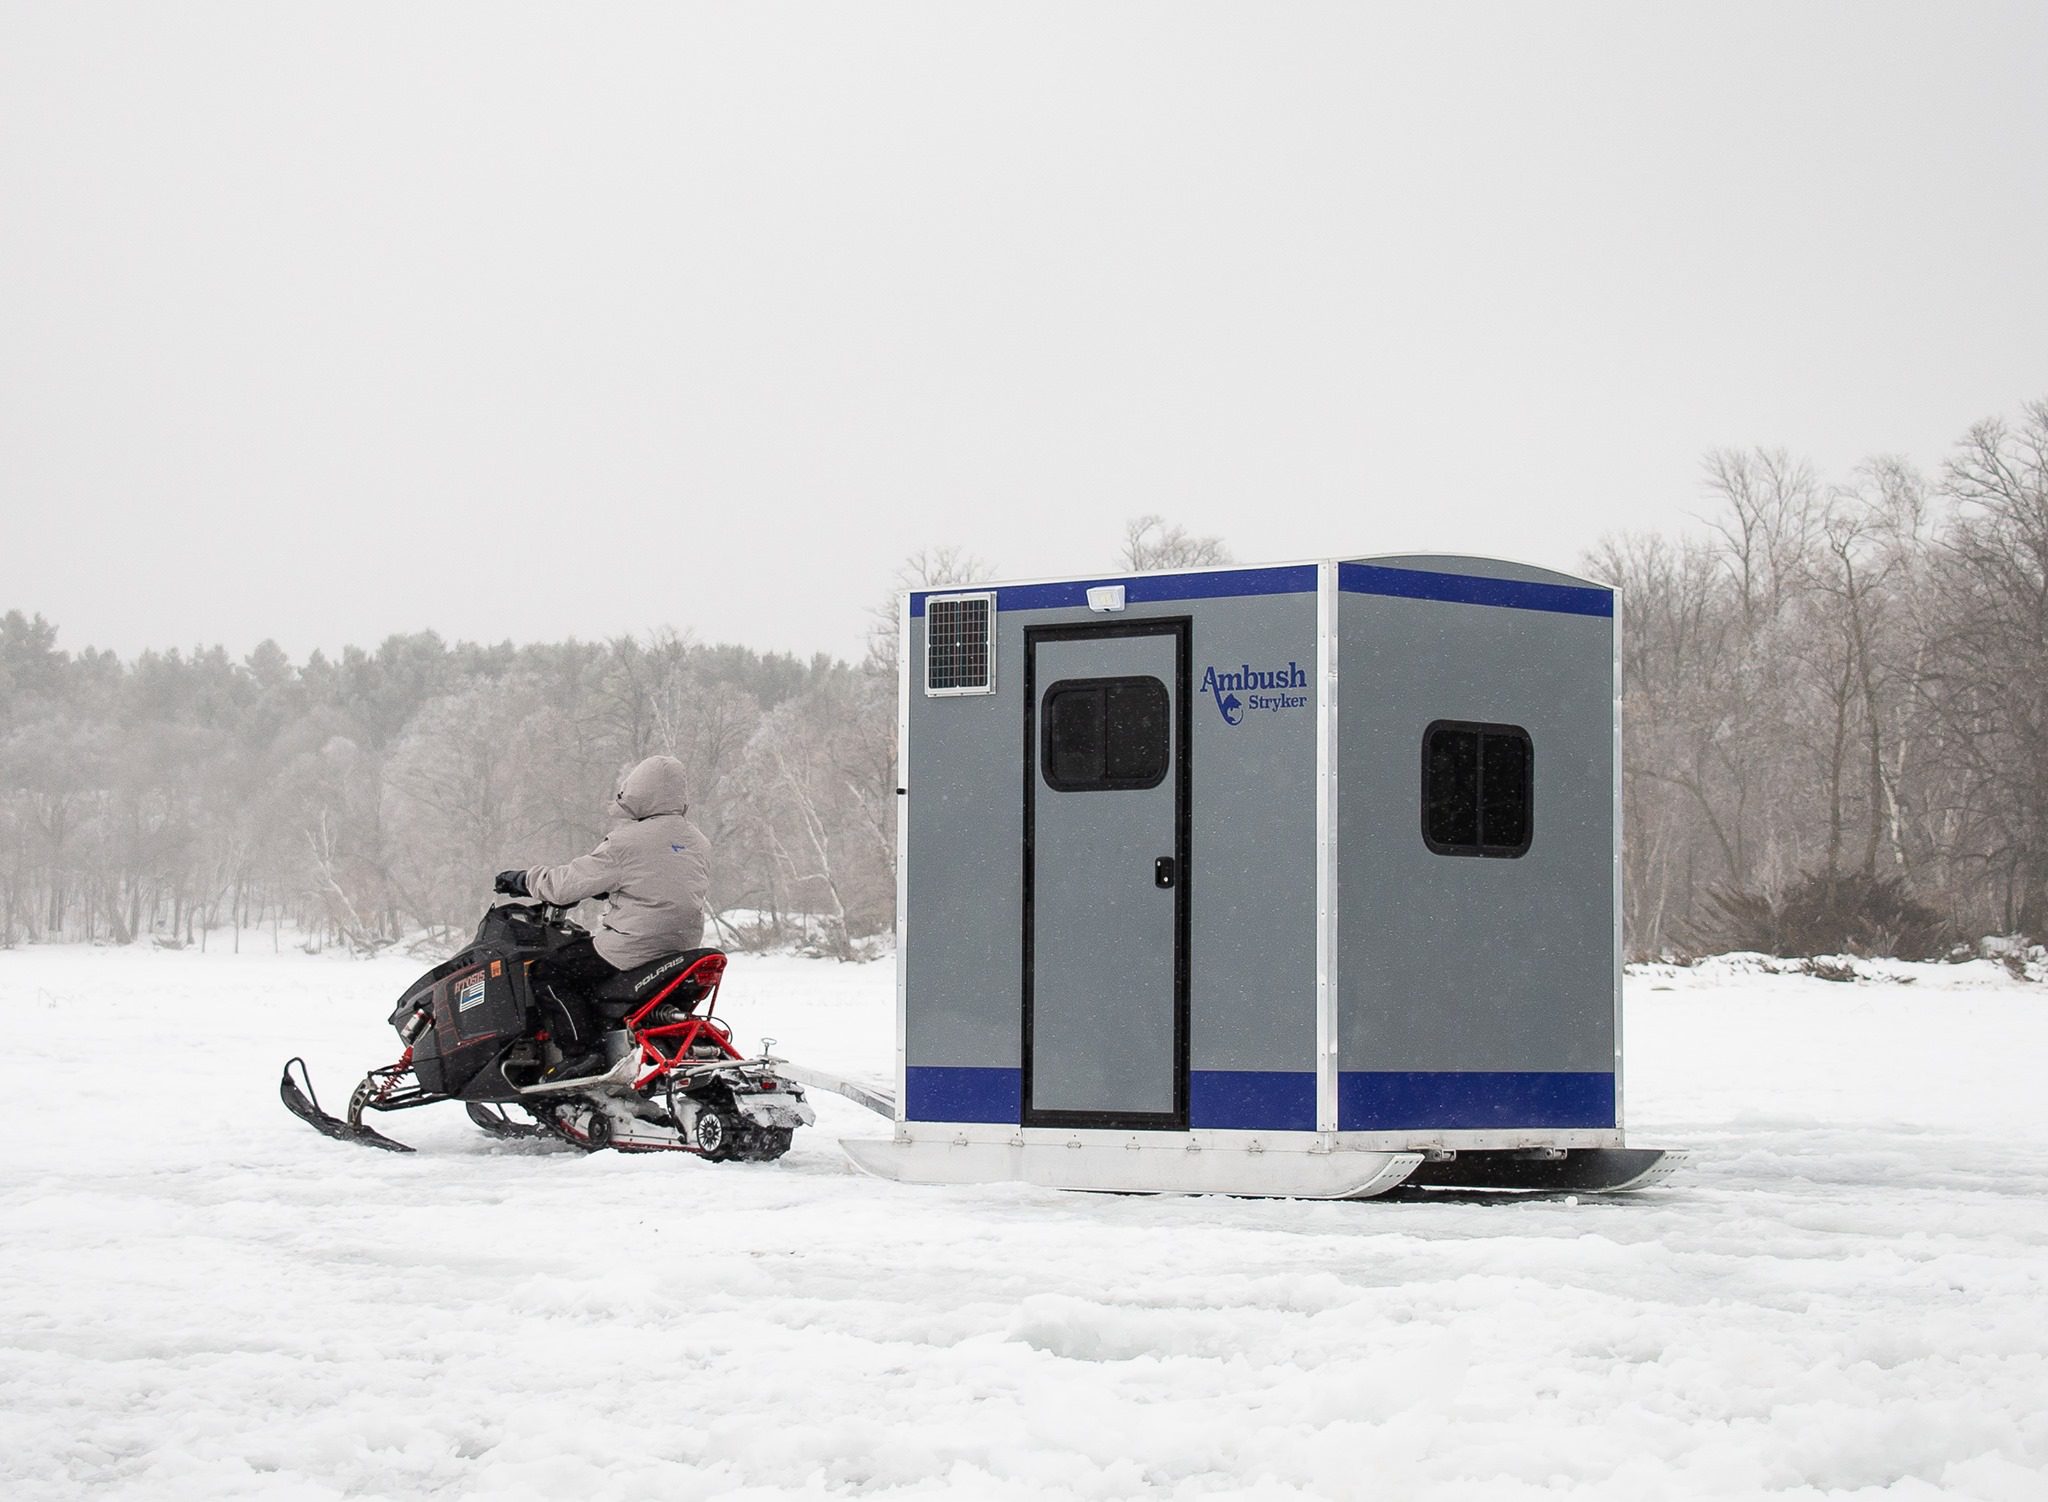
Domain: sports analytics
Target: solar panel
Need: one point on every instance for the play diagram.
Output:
(959, 644)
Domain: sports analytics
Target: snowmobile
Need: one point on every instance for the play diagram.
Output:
(472, 1029)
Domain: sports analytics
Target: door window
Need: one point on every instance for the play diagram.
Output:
(1105, 733)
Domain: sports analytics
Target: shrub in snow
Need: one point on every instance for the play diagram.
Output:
(1819, 914)
(1836, 967)
(2022, 959)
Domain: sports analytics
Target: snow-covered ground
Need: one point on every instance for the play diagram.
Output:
(1845, 1294)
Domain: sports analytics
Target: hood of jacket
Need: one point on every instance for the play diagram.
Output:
(656, 786)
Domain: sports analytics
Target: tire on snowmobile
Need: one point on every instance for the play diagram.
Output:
(717, 1134)
(553, 1121)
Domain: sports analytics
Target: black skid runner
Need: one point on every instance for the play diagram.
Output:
(496, 1123)
(1589, 1170)
(304, 1104)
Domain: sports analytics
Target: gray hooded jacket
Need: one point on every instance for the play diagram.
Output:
(655, 863)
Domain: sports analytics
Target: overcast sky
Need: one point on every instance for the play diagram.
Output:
(321, 323)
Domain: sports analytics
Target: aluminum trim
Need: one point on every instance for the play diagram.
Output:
(903, 846)
(1326, 848)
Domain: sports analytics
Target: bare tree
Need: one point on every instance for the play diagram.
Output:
(928, 568)
(1862, 580)
(1151, 542)
(1986, 679)
(815, 799)
(1768, 517)
(1682, 808)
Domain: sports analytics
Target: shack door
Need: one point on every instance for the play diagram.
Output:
(1105, 875)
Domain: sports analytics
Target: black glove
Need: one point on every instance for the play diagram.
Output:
(511, 883)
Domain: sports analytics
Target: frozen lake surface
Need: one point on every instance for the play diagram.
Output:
(1845, 1293)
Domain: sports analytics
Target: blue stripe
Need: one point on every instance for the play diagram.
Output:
(1399, 1101)
(1468, 589)
(1146, 589)
(1252, 1100)
(942, 1094)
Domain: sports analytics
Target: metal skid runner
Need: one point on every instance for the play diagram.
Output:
(1200, 1163)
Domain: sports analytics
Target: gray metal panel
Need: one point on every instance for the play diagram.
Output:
(964, 869)
(1104, 1000)
(1459, 963)
(1253, 842)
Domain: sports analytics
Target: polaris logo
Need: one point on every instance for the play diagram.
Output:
(1250, 688)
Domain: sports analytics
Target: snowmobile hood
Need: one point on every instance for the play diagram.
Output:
(656, 786)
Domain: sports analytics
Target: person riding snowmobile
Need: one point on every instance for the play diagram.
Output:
(654, 867)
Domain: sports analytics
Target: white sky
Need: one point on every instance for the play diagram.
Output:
(326, 322)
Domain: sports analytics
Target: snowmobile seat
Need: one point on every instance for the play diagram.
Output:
(630, 990)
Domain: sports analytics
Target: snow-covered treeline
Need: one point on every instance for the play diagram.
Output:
(374, 794)
(1836, 711)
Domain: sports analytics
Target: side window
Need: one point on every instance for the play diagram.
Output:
(1478, 782)
(1103, 733)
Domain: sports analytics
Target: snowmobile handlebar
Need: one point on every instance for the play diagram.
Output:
(550, 912)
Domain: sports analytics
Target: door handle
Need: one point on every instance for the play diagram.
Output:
(1163, 873)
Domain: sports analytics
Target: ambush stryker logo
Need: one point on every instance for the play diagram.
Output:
(1249, 688)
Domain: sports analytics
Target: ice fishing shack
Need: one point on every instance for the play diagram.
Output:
(1289, 880)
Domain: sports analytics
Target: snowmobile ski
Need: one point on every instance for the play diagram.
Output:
(304, 1104)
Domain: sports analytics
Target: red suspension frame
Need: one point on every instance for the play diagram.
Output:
(666, 1046)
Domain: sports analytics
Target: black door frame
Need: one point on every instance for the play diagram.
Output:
(1181, 629)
